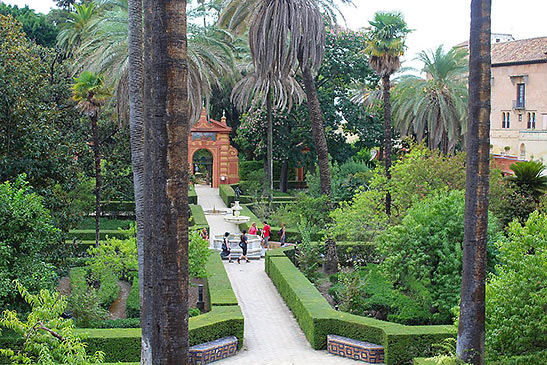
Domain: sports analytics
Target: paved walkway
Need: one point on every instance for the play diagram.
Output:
(272, 335)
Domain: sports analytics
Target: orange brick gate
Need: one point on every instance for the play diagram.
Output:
(214, 137)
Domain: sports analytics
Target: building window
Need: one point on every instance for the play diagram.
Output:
(508, 121)
(520, 96)
(503, 120)
(522, 151)
(533, 120)
(529, 125)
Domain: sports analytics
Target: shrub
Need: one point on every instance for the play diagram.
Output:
(84, 303)
(307, 255)
(314, 210)
(26, 235)
(423, 255)
(49, 339)
(516, 297)
(198, 253)
(133, 305)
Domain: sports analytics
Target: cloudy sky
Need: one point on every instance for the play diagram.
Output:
(434, 22)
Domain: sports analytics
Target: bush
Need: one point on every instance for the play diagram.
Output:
(423, 255)
(49, 339)
(307, 255)
(133, 305)
(84, 303)
(516, 297)
(26, 236)
(198, 253)
(314, 210)
(508, 201)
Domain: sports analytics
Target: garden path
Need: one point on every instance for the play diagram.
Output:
(272, 335)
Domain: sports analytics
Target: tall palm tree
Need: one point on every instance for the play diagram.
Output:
(274, 93)
(105, 50)
(167, 124)
(136, 127)
(70, 36)
(528, 176)
(470, 343)
(385, 44)
(90, 92)
(436, 105)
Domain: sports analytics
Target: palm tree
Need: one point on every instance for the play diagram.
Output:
(136, 126)
(70, 36)
(435, 105)
(386, 43)
(90, 92)
(167, 124)
(276, 94)
(105, 50)
(528, 177)
(471, 327)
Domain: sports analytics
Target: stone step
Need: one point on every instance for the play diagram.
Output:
(355, 349)
(212, 351)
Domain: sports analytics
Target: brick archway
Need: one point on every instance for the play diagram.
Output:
(214, 137)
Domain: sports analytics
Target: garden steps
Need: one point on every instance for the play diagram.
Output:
(367, 352)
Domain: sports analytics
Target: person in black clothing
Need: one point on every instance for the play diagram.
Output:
(243, 244)
(226, 247)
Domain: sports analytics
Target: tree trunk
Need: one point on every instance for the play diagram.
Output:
(136, 126)
(166, 177)
(97, 154)
(470, 344)
(284, 178)
(318, 131)
(268, 171)
(387, 137)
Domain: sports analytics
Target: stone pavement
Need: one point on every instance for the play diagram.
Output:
(272, 335)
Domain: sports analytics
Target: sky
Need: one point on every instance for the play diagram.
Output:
(435, 22)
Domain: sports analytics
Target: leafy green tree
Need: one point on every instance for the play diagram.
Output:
(37, 27)
(26, 236)
(90, 92)
(434, 106)
(529, 177)
(385, 44)
(49, 339)
(516, 295)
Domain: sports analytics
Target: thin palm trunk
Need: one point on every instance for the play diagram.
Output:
(136, 125)
(318, 131)
(97, 155)
(470, 344)
(166, 176)
(284, 177)
(387, 136)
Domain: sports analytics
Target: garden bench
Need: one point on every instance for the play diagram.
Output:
(208, 352)
(354, 349)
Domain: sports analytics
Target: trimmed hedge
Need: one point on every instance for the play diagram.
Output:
(219, 286)
(192, 195)
(424, 361)
(133, 305)
(318, 319)
(227, 194)
(117, 206)
(89, 234)
(198, 217)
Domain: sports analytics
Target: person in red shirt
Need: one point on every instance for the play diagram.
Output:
(266, 233)
(253, 229)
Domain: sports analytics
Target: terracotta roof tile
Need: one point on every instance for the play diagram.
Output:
(524, 50)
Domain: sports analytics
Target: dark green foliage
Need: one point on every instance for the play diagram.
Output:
(132, 306)
(516, 296)
(109, 224)
(529, 177)
(26, 236)
(307, 255)
(115, 323)
(116, 207)
(314, 210)
(423, 255)
(89, 234)
(317, 319)
(508, 201)
(227, 194)
(198, 254)
(37, 27)
(356, 253)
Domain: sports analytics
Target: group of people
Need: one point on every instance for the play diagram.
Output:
(243, 243)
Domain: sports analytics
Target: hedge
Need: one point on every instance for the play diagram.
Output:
(192, 195)
(219, 286)
(318, 319)
(227, 194)
(89, 234)
(117, 206)
(198, 217)
(133, 305)
(424, 361)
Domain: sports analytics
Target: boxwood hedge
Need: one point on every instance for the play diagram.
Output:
(192, 195)
(318, 319)
(198, 217)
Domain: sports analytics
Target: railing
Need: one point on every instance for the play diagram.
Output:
(518, 104)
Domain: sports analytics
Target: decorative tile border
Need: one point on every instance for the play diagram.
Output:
(208, 352)
(357, 350)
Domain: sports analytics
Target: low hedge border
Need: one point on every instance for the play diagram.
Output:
(198, 217)
(318, 319)
(89, 234)
(224, 319)
(192, 195)
(227, 194)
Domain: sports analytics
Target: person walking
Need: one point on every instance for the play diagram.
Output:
(243, 244)
(226, 252)
(253, 229)
(282, 234)
(266, 233)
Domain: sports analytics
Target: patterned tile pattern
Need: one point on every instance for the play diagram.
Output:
(357, 350)
(208, 352)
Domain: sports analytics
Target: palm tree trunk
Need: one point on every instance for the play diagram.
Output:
(318, 131)
(96, 151)
(166, 177)
(387, 137)
(268, 172)
(284, 178)
(470, 344)
(136, 126)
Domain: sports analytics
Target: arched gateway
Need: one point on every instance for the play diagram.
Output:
(214, 137)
